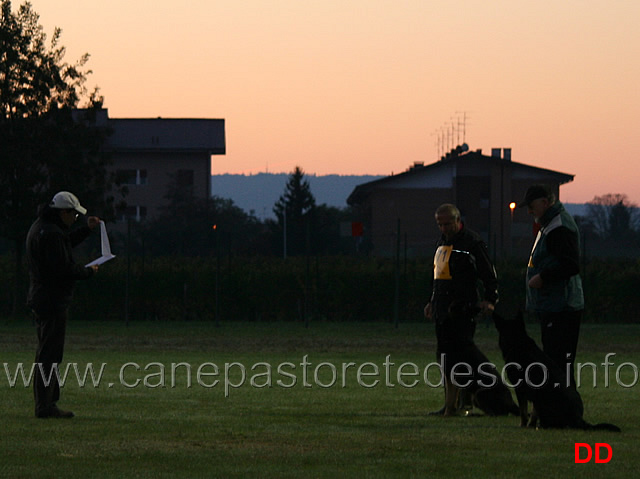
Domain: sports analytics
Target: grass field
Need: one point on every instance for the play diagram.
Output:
(295, 421)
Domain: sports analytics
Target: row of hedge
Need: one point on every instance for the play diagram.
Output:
(308, 289)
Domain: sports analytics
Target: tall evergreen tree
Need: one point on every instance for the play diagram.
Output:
(294, 211)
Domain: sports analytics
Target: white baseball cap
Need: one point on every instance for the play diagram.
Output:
(67, 201)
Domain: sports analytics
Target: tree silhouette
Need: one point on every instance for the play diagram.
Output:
(293, 211)
(613, 216)
(45, 144)
(191, 226)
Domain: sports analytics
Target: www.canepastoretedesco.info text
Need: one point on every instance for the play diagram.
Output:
(308, 374)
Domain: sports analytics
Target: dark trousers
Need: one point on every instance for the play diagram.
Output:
(51, 328)
(454, 333)
(559, 336)
(455, 325)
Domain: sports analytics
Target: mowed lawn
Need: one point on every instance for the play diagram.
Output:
(289, 401)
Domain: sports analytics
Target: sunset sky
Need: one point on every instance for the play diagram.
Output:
(369, 86)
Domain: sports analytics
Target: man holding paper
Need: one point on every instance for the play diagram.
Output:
(52, 275)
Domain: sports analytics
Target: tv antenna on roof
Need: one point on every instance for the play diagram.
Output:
(448, 135)
(464, 126)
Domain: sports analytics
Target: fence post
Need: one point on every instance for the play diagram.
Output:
(396, 305)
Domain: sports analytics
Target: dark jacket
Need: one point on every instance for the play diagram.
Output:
(556, 257)
(463, 271)
(52, 271)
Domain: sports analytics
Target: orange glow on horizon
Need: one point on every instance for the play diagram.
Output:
(362, 88)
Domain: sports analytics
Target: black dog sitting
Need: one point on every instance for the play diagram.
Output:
(538, 379)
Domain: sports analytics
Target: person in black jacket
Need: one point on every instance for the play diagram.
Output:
(465, 280)
(52, 274)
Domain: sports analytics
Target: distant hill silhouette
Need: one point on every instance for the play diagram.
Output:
(258, 193)
(576, 209)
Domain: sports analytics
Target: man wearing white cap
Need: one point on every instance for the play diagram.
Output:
(52, 274)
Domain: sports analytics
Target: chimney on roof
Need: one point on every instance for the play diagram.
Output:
(501, 153)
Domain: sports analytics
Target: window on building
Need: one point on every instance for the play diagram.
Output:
(131, 177)
(134, 213)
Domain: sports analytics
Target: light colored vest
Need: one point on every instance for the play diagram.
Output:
(554, 296)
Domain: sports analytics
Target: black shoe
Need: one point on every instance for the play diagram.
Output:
(55, 412)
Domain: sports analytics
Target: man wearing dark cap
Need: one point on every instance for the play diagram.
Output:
(52, 274)
(554, 287)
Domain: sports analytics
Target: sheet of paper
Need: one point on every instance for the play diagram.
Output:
(105, 246)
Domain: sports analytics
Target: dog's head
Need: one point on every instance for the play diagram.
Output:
(513, 332)
(509, 325)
